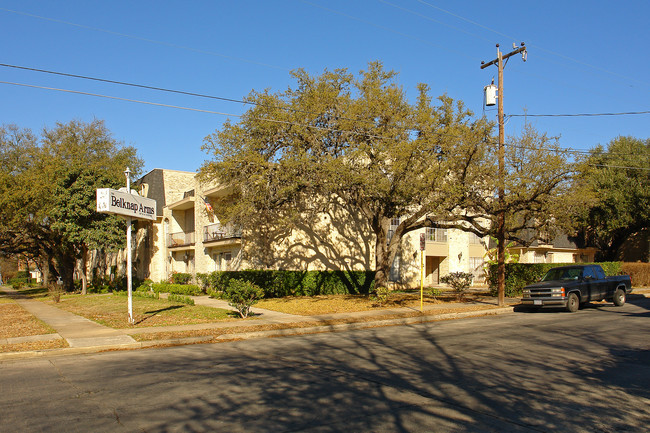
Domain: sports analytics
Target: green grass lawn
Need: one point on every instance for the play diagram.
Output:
(111, 310)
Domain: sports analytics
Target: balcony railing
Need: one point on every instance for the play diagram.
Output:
(217, 232)
(180, 239)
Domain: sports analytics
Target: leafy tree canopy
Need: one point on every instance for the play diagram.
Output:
(617, 180)
(47, 190)
(357, 141)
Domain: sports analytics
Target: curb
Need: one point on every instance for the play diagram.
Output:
(319, 329)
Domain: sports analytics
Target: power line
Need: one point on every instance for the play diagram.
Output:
(77, 92)
(180, 92)
(153, 41)
(244, 102)
(580, 62)
(124, 83)
(433, 20)
(619, 166)
(580, 114)
(397, 32)
(195, 109)
(441, 134)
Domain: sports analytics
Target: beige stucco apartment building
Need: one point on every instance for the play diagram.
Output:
(188, 237)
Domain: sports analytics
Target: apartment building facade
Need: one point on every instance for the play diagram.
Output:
(188, 237)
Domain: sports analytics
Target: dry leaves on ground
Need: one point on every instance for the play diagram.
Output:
(17, 322)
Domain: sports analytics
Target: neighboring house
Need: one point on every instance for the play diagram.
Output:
(188, 237)
(559, 250)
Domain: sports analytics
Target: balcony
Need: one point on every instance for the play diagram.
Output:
(180, 239)
(218, 232)
(187, 202)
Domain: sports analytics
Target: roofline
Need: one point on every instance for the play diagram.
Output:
(168, 169)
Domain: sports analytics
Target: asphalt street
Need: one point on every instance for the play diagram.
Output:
(547, 371)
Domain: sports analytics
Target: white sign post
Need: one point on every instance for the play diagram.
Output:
(129, 205)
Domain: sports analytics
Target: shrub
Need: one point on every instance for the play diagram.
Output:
(242, 295)
(138, 294)
(55, 291)
(180, 298)
(203, 281)
(178, 289)
(459, 281)
(381, 295)
(145, 286)
(18, 282)
(181, 278)
(434, 292)
(638, 272)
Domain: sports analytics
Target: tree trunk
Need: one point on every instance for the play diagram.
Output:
(84, 276)
(385, 252)
(65, 266)
(45, 270)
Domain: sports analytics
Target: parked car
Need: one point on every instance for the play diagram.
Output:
(573, 286)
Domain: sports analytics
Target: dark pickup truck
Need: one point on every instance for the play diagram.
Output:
(572, 286)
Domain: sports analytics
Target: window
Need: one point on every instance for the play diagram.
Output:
(394, 274)
(394, 223)
(436, 235)
(227, 258)
(222, 261)
(474, 239)
(589, 272)
(476, 267)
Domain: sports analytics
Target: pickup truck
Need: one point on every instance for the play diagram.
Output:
(573, 286)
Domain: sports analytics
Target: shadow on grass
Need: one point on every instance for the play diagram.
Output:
(153, 313)
(36, 292)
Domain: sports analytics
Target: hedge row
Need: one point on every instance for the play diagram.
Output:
(293, 283)
(519, 275)
(639, 273)
(177, 289)
(181, 278)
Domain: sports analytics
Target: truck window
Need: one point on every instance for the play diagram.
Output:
(557, 274)
(590, 272)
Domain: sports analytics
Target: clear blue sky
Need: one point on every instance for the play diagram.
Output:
(583, 57)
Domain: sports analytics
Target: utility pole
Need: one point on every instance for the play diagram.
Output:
(501, 211)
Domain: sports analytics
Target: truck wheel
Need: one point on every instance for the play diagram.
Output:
(572, 303)
(619, 297)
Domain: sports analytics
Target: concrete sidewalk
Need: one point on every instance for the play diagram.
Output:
(76, 330)
(86, 336)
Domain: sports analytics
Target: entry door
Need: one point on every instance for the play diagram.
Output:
(432, 270)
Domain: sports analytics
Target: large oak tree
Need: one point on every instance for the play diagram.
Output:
(47, 193)
(337, 139)
(616, 178)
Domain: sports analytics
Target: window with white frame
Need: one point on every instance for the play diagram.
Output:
(474, 239)
(476, 267)
(394, 223)
(436, 235)
(394, 274)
